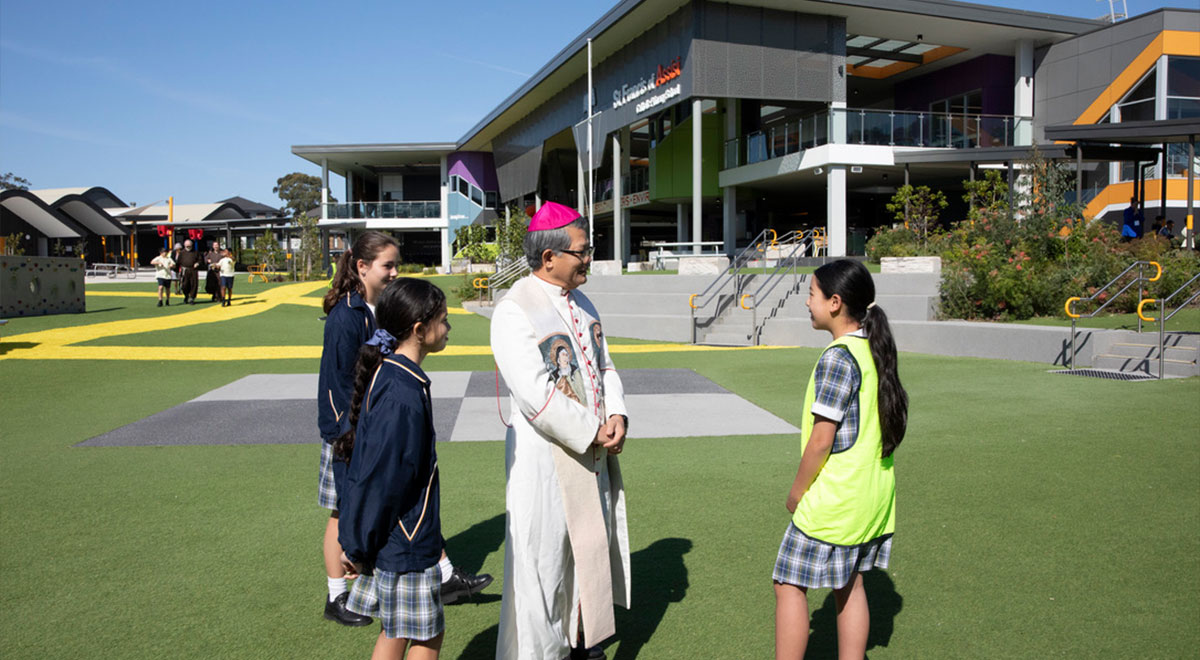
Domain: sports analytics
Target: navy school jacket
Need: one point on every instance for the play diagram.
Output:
(347, 327)
(391, 508)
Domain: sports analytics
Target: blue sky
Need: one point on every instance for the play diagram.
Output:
(203, 101)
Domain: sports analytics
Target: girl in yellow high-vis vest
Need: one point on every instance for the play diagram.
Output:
(843, 500)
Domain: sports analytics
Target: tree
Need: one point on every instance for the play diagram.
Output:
(510, 234)
(987, 196)
(10, 181)
(309, 255)
(918, 207)
(267, 247)
(300, 192)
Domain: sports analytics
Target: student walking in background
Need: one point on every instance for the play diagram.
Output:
(164, 268)
(390, 524)
(225, 265)
(843, 499)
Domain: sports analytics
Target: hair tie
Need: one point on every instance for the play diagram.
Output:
(384, 340)
(870, 304)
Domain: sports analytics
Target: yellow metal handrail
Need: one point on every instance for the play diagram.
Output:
(1067, 307)
(691, 301)
(1158, 274)
(480, 283)
(742, 302)
(1147, 319)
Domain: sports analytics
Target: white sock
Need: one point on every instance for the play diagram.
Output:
(337, 587)
(447, 568)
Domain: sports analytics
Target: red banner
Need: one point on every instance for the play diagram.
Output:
(164, 231)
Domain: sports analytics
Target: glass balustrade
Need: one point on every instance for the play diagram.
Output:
(874, 127)
(384, 210)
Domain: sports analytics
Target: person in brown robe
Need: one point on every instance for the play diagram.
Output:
(189, 264)
(212, 284)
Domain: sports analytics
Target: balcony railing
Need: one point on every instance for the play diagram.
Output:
(875, 127)
(638, 180)
(385, 210)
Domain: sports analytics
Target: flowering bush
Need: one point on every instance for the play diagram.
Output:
(1002, 265)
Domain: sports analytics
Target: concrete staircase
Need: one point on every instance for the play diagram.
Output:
(1137, 353)
(905, 297)
(735, 326)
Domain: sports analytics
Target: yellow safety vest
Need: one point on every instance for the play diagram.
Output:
(853, 498)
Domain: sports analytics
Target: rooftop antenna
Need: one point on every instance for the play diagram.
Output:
(1114, 14)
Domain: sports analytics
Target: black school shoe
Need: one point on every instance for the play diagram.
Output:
(335, 610)
(463, 585)
(593, 653)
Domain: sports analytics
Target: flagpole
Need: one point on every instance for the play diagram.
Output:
(591, 197)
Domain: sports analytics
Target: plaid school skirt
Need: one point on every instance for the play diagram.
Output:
(409, 605)
(326, 489)
(807, 562)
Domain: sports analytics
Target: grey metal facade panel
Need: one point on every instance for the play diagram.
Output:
(745, 71)
(519, 176)
(712, 76)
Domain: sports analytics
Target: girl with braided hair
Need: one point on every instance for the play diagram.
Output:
(390, 525)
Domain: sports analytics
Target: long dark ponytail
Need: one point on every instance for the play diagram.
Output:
(851, 281)
(405, 302)
(367, 246)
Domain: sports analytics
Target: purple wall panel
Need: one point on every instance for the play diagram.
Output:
(993, 74)
(474, 166)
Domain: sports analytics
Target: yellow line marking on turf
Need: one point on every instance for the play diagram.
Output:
(56, 343)
(147, 294)
(60, 343)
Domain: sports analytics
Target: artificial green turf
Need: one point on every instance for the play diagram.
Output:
(1038, 515)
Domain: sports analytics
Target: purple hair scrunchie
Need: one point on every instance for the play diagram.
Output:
(384, 340)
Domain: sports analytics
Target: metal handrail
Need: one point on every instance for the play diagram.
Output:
(769, 283)
(732, 273)
(1163, 316)
(508, 274)
(1141, 278)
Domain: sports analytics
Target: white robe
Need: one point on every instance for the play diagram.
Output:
(540, 613)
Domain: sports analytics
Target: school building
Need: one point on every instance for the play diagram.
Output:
(712, 121)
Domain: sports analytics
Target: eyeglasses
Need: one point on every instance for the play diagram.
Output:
(581, 254)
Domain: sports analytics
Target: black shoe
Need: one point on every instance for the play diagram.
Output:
(335, 610)
(463, 585)
(160, 303)
(593, 653)
(168, 303)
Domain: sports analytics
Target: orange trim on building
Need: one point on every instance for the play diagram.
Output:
(881, 72)
(1168, 42)
(1119, 193)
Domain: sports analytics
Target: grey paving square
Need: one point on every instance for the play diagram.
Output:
(282, 409)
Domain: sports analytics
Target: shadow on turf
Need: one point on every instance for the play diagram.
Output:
(6, 346)
(659, 578)
(882, 600)
(469, 548)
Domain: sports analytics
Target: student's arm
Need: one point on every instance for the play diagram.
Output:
(819, 445)
(382, 478)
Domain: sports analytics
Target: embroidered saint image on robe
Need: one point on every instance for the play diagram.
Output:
(563, 367)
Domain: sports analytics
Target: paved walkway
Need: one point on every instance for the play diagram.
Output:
(282, 409)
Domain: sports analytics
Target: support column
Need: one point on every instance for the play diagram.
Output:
(729, 219)
(697, 174)
(835, 205)
(681, 228)
(324, 188)
(1191, 193)
(618, 241)
(444, 207)
(445, 236)
(729, 229)
(1023, 93)
(1160, 113)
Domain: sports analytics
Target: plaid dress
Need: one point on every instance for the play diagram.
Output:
(409, 605)
(803, 560)
(326, 489)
